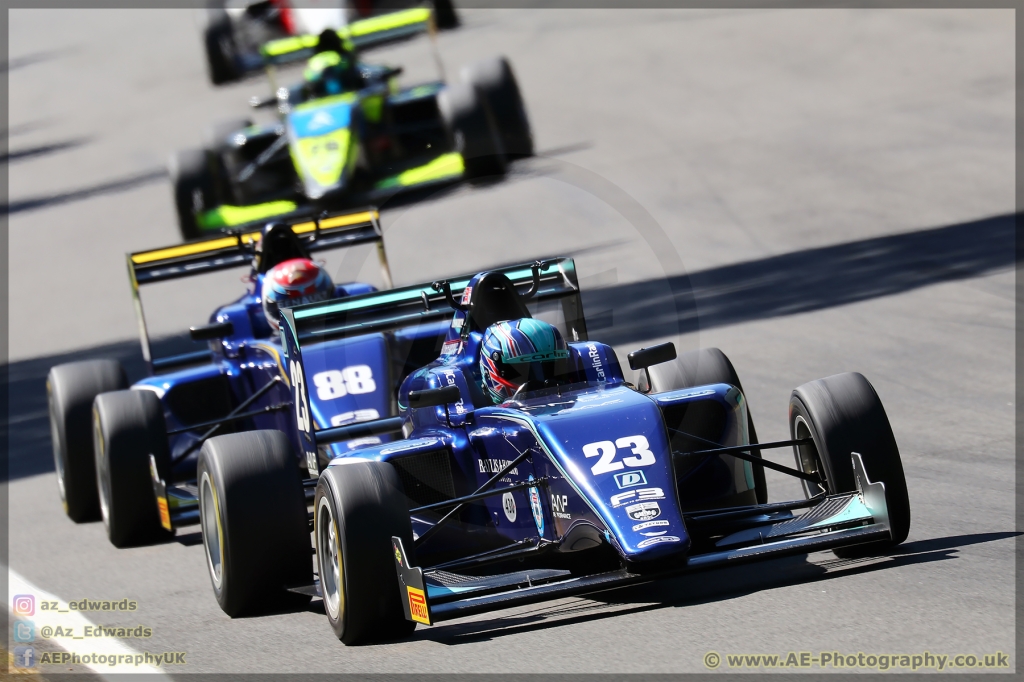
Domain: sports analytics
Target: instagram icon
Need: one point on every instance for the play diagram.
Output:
(24, 604)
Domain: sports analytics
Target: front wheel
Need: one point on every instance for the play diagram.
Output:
(253, 517)
(842, 414)
(702, 367)
(360, 506)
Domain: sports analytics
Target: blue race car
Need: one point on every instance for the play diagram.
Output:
(529, 468)
(129, 454)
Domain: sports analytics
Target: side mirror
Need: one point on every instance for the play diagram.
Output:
(655, 355)
(262, 102)
(645, 357)
(432, 397)
(209, 332)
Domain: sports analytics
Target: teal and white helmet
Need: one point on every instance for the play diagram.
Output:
(518, 351)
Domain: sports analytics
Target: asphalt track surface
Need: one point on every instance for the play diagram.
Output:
(836, 188)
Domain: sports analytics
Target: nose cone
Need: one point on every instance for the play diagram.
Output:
(321, 144)
(612, 444)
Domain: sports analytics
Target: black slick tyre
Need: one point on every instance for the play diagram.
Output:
(843, 414)
(195, 189)
(699, 368)
(445, 15)
(495, 82)
(472, 130)
(359, 507)
(219, 41)
(254, 522)
(70, 391)
(128, 426)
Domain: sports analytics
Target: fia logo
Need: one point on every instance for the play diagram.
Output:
(538, 511)
(628, 479)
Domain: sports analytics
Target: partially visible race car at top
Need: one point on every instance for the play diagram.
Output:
(529, 468)
(128, 453)
(235, 33)
(348, 135)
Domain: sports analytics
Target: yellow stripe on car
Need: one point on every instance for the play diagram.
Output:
(444, 166)
(227, 215)
(194, 248)
(387, 22)
(357, 29)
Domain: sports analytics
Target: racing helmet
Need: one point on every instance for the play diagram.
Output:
(331, 73)
(291, 283)
(514, 352)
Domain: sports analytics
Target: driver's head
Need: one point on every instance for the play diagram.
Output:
(518, 351)
(325, 72)
(291, 283)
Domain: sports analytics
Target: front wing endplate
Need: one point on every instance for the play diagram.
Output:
(410, 583)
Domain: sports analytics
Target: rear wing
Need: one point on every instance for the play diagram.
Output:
(305, 326)
(411, 306)
(362, 34)
(236, 249)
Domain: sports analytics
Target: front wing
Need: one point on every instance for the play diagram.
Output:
(431, 597)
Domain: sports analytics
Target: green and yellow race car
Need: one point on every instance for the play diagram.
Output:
(348, 135)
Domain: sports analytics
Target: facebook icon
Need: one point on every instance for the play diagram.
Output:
(24, 657)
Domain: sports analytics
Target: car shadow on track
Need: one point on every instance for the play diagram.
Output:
(700, 588)
(802, 281)
(28, 425)
(41, 150)
(122, 185)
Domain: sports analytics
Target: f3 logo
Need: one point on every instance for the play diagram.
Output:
(642, 495)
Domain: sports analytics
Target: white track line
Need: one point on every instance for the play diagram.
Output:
(68, 618)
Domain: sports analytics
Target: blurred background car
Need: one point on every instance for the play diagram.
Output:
(235, 32)
(349, 135)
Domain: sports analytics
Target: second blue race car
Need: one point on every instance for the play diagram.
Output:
(128, 454)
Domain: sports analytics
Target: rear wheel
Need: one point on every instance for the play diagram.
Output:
(360, 506)
(472, 129)
(843, 414)
(496, 83)
(219, 41)
(195, 189)
(700, 368)
(445, 15)
(128, 427)
(70, 391)
(254, 522)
